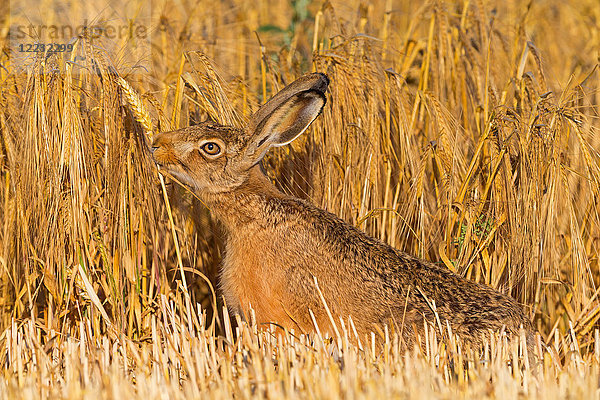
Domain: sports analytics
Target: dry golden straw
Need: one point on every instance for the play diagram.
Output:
(463, 132)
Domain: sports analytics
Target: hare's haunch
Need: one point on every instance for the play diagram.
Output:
(277, 245)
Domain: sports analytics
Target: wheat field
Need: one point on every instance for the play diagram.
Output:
(463, 132)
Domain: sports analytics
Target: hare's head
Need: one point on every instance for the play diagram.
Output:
(216, 158)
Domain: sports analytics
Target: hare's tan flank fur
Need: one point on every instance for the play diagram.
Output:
(277, 245)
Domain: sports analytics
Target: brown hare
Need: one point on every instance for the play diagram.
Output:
(276, 245)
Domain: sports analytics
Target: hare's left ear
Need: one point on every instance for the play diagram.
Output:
(283, 118)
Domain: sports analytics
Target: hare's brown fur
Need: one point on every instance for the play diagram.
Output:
(277, 244)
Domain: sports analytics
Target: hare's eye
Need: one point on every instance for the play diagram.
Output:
(211, 148)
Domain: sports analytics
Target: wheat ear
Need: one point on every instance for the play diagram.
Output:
(135, 102)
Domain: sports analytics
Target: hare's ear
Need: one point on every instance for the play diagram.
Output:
(283, 118)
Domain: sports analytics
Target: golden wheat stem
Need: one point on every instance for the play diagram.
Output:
(173, 230)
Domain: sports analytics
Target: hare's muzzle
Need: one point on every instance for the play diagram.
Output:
(162, 149)
(157, 142)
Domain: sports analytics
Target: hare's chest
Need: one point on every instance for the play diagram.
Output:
(250, 279)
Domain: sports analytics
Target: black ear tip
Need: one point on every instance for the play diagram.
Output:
(324, 82)
(325, 78)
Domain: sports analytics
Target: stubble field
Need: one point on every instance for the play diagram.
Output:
(463, 132)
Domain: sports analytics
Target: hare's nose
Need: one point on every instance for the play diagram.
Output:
(156, 143)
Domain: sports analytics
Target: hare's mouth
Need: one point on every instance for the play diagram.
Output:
(163, 163)
(176, 173)
(164, 157)
(172, 169)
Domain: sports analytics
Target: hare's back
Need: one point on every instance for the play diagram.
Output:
(364, 273)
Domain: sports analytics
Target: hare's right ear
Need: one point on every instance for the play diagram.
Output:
(283, 118)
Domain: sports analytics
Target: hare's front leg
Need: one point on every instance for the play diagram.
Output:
(249, 280)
